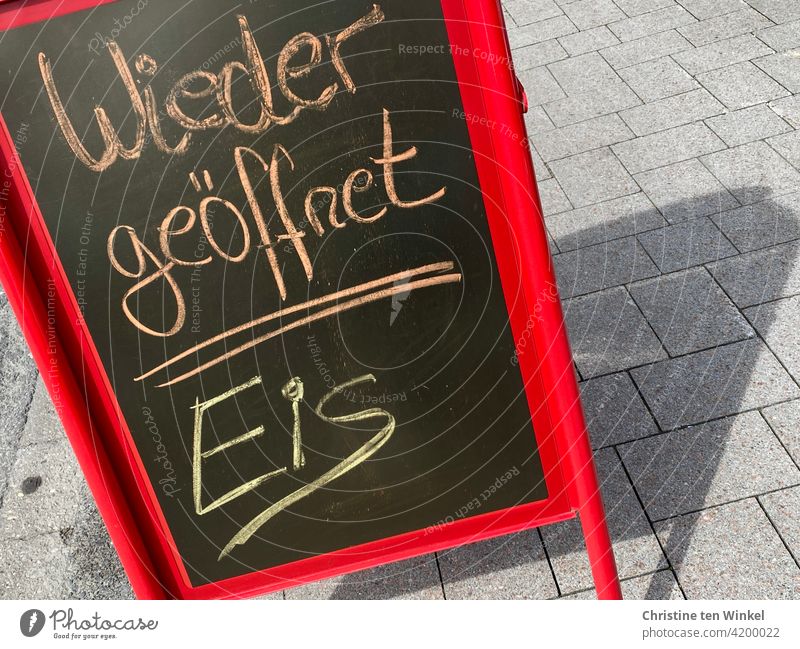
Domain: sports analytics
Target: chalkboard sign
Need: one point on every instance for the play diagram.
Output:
(269, 222)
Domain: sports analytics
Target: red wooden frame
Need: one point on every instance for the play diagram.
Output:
(73, 373)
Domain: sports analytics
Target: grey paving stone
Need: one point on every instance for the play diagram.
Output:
(536, 120)
(637, 7)
(720, 54)
(753, 172)
(608, 333)
(714, 383)
(743, 126)
(508, 567)
(593, 177)
(711, 464)
(659, 585)
(615, 412)
(552, 197)
(588, 41)
(95, 571)
(778, 11)
(686, 244)
(760, 276)
(784, 67)
(685, 190)
(645, 49)
(602, 266)
(778, 323)
(689, 312)
(416, 578)
(667, 147)
(788, 108)
(593, 13)
(43, 424)
(34, 568)
(783, 509)
(540, 168)
(658, 79)
(703, 9)
(788, 145)
(725, 26)
(635, 546)
(782, 37)
(762, 224)
(651, 23)
(742, 85)
(18, 378)
(508, 18)
(578, 138)
(551, 243)
(525, 12)
(55, 503)
(277, 595)
(601, 101)
(730, 552)
(585, 73)
(672, 111)
(544, 30)
(604, 221)
(518, 37)
(785, 421)
(540, 86)
(533, 56)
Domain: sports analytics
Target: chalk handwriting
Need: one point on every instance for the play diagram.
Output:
(296, 60)
(359, 296)
(199, 454)
(153, 270)
(294, 393)
(157, 270)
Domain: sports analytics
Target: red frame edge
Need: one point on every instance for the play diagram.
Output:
(16, 13)
(132, 524)
(514, 166)
(20, 282)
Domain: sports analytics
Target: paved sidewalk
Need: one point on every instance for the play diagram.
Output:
(668, 154)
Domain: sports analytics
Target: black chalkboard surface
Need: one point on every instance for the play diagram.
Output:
(270, 217)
